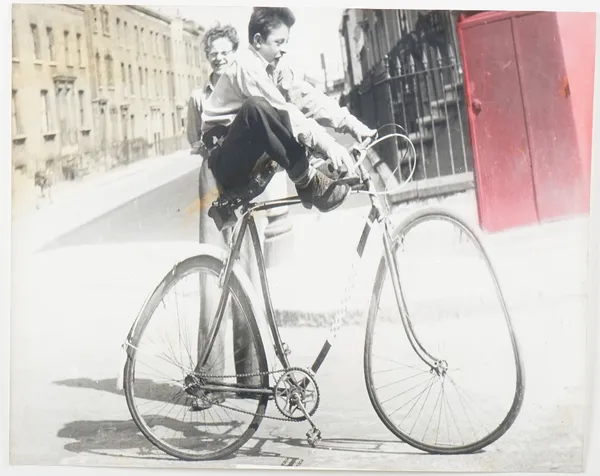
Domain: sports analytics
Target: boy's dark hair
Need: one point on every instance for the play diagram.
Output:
(265, 19)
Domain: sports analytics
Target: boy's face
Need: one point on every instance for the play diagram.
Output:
(274, 46)
(220, 54)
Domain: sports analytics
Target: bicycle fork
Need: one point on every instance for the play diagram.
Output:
(436, 365)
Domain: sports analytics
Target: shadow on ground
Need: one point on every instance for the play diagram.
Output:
(122, 438)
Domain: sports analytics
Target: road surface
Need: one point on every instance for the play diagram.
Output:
(165, 214)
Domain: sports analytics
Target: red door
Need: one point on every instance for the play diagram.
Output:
(559, 188)
(503, 175)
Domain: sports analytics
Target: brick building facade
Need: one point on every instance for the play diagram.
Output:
(97, 85)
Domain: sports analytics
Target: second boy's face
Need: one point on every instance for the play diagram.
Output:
(220, 53)
(274, 46)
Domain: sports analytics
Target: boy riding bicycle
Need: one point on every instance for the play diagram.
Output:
(259, 109)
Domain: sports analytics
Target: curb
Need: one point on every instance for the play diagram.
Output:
(50, 223)
(353, 315)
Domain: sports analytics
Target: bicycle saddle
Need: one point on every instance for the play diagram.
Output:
(230, 199)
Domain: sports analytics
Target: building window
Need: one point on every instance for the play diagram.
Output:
(109, 71)
(79, 54)
(67, 52)
(123, 80)
(125, 34)
(15, 48)
(98, 70)
(137, 39)
(131, 89)
(60, 112)
(141, 43)
(155, 92)
(45, 112)
(71, 114)
(50, 35)
(95, 17)
(81, 96)
(141, 73)
(147, 84)
(17, 128)
(172, 84)
(105, 21)
(118, 30)
(115, 124)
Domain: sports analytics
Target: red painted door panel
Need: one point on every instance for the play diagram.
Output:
(549, 118)
(504, 183)
(578, 34)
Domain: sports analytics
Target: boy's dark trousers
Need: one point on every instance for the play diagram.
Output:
(244, 350)
(258, 129)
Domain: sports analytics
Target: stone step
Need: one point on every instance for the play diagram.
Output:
(439, 106)
(428, 123)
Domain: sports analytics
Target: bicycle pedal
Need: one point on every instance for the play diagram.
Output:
(313, 436)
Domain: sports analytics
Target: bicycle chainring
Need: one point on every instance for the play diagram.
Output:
(296, 385)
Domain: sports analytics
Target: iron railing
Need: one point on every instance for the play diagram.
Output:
(419, 85)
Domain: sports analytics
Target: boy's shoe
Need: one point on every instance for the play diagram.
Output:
(323, 193)
(206, 401)
(326, 168)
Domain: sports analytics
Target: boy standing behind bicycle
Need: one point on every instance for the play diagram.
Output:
(260, 107)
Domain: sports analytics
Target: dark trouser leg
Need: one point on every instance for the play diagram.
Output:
(209, 292)
(257, 129)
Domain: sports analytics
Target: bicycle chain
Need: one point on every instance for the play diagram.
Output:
(255, 374)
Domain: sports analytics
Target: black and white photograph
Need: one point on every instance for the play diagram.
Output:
(276, 236)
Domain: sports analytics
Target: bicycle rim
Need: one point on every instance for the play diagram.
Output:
(455, 412)
(176, 421)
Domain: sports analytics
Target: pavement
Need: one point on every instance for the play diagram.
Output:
(79, 202)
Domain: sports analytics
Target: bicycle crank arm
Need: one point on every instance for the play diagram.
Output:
(313, 436)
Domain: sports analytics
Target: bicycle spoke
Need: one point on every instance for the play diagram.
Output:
(402, 380)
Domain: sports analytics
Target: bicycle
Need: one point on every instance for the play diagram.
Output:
(294, 390)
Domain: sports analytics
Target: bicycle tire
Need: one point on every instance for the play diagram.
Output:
(214, 265)
(410, 222)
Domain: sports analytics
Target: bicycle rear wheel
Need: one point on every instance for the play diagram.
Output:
(476, 393)
(163, 391)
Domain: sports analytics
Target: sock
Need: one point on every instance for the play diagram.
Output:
(303, 180)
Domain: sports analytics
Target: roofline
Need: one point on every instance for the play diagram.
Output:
(75, 6)
(150, 12)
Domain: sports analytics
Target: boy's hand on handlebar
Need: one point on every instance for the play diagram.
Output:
(340, 157)
(359, 131)
(364, 133)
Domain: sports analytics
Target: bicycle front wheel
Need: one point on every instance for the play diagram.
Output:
(442, 363)
(163, 382)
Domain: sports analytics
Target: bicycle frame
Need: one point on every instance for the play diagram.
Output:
(247, 222)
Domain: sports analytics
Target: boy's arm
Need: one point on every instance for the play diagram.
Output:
(254, 82)
(317, 105)
(194, 123)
